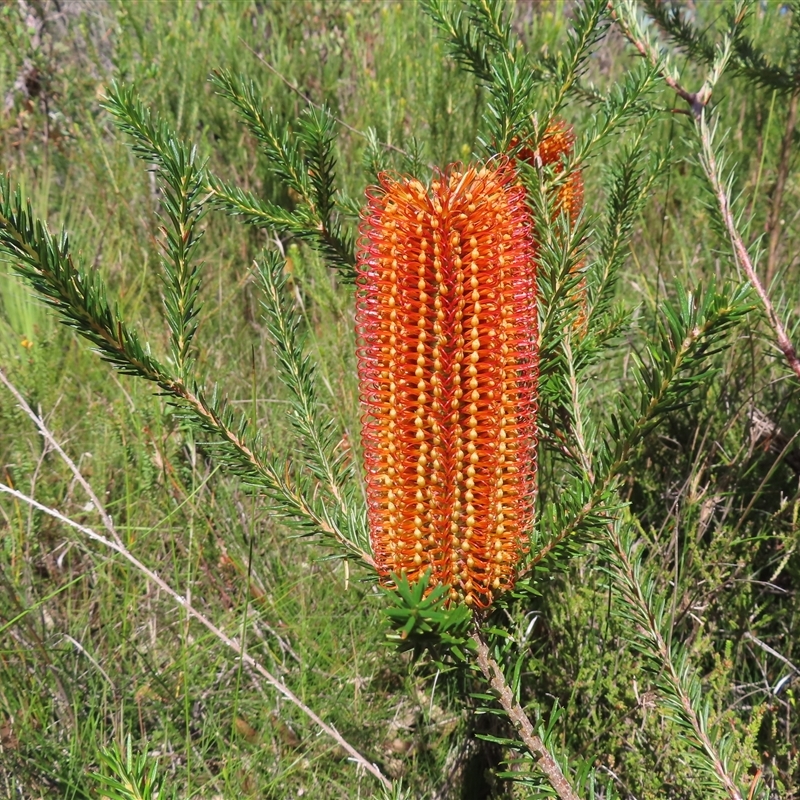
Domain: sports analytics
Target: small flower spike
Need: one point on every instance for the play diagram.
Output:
(448, 366)
(558, 141)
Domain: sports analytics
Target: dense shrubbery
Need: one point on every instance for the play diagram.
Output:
(649, 647)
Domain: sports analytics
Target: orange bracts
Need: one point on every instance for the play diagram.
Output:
(558, 141)
(448, 364)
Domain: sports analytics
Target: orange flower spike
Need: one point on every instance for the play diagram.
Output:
(558, 140)
(448, 364)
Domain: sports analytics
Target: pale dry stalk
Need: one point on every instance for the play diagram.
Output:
(116, 545)
(516, 713)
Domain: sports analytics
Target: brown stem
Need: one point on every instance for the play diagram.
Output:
(774, 217)
(497, 680)
(672, 672)
(720, 192)
(698, 102)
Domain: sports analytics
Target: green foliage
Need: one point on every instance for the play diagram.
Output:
(80, 297)
(680, 688)
(77, 294)
(749, 59)
(130, 777)
(650, 638)
(304, 161)
(424, 620)
(181, 180)
(318, 436)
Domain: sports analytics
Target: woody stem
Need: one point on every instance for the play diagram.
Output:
(497, 680)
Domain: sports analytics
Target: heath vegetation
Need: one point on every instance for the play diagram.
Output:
(399, 399)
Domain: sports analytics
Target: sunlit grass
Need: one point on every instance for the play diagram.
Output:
(91, 653)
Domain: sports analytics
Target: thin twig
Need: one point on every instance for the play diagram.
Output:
(230, 641)
(767, 649)
(51, 440)
(712, 172)
(497, 680)
(115, 544)
(698, 102)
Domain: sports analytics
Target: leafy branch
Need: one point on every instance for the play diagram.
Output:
(679, 684)
(80, 298)
(304, 161)
(630, 181)
(689, 333)
(319, 436)
(181, 179)
(480, 37)
(77, 295)
(587, 30)
(468, 42)
(674, 362)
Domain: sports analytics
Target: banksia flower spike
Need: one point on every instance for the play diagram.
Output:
(558, 141)
(448, 364)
